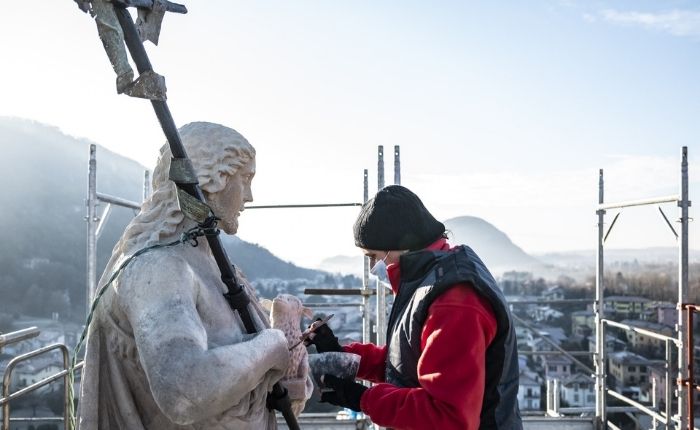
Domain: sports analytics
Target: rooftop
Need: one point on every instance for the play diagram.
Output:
(626, 357)
(632, 299)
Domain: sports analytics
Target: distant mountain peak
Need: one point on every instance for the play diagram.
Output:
(491, 244)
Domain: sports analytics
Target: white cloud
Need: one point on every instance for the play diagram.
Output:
(675, 22)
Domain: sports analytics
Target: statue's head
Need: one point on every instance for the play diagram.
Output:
(225, 166)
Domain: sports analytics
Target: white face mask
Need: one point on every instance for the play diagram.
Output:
(379, 269)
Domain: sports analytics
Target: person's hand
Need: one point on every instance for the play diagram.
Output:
(323, 338)
(346, 392)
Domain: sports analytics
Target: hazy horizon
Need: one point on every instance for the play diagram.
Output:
(504, 112)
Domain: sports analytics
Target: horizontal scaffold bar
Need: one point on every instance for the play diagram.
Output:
(312, 205)
(332, 305)
(338, 291)
(641, 407)
(39, 384)
(118, 201)
(35, 419)
(643, 202)
(555, 352)
(18, 336)
(549, 302)
(585, 409)
(646, 332)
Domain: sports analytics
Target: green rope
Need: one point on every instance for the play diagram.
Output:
(190, 236)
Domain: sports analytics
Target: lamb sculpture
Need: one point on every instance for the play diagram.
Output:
(286, 312)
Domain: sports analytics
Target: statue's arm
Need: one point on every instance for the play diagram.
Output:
(189, 381)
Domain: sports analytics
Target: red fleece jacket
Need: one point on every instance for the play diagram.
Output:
(451, 369)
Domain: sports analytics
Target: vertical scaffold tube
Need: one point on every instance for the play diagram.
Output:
(380, 167)
(91, 218)
(381, 296)
(146, 185)
(366, 294)
(668, 387)
(601, 413)
(683, 292)
(397, 165)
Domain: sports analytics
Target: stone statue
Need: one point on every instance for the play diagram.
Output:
(164, 349)
(286, 312)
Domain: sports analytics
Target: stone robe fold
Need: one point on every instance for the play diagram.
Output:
(165, 351)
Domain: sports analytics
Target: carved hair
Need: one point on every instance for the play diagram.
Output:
(216, 151)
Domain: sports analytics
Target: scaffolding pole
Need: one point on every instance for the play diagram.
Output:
(600, 392)
(380, 167)
(95, 224)
(683, 419)
(397, 165)
(304, 206)
(366, 290)
(683, 292)
(380, 327)
(91, 218)
(146, 185)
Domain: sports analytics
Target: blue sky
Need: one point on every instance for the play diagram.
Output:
(503, 110)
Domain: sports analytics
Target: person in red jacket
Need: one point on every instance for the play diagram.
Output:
(451, 359)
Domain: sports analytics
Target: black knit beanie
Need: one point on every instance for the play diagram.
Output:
(395, 219)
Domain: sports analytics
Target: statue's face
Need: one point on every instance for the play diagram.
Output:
(228, 203)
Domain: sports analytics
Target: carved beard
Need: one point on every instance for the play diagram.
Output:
(229, 218)
(229, 224)
(227, 204)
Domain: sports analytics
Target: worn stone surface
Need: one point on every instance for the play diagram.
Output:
(341, 364)
(165, 351)
(149, 21)
(113, 42)
(149, 85)
(286, 312)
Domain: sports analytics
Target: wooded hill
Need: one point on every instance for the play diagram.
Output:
(43, 246)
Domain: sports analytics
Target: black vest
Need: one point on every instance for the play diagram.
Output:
(424, 276)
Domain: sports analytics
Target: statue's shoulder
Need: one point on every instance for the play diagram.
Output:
(156, 267)
(152, 279)
(174, 258)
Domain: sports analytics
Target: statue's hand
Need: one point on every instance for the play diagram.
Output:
(278, 347)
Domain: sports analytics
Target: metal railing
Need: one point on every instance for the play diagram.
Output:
(7, 396)
(668, 380)
(18, 336)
